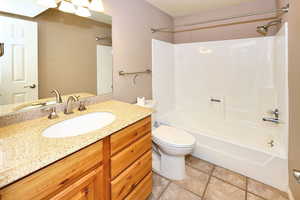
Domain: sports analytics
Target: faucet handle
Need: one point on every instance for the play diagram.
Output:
(82, 106)
(274, 112)
(77, 97)
(53, 114)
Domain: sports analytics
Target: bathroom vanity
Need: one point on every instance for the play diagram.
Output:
(113, 162)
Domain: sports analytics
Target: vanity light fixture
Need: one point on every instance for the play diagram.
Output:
(67, 7)
(79, 7)
(81, 3)
(96, 5)
(47, 3)
(83, 12)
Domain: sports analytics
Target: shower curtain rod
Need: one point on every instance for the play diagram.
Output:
(282, 10)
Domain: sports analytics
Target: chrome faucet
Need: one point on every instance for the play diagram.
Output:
(57, 95)
(68, 109)
(275, 119)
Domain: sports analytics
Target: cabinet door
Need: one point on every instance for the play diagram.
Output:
(88, 187)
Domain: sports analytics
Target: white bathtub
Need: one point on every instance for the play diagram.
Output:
(242, 148)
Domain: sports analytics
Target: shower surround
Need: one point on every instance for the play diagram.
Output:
(219, 91)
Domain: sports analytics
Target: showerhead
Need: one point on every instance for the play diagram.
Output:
(265, 28)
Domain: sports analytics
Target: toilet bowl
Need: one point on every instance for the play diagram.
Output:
(171, 145)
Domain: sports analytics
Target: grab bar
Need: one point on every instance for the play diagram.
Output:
(122, 73)
(215, 100)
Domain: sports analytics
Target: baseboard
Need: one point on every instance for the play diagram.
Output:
(290, 194)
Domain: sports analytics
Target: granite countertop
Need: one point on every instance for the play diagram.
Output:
(23, 149)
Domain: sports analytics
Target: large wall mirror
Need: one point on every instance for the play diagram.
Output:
(54, 51)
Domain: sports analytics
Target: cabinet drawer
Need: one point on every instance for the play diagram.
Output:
(130, 178)
(143, 190)
(55, 177)
(126, 157)
(88, 187)
(130, 134)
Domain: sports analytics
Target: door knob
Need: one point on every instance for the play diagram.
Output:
(30, 86)
(297, 175)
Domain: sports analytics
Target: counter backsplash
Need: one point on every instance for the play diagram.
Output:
(20, 116)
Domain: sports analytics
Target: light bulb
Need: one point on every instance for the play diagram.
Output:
(67, 7)
(96, 5)
(82, 3)
(83, 12)
(47, 3)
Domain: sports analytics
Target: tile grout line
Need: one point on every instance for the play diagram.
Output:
(220, 178)
(252, 192)
(211, 175)
(163, 191)
(229, 183)
(172, 181)
(209, 178)
(198, 169)
(258, 196)
(187, 190)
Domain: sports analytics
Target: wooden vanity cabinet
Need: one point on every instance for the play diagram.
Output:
(61, 179)
(131, 161)
(117, 167)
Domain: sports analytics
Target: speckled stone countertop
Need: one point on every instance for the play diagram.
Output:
(24, 150)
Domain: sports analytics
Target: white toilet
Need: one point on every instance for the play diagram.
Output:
(170, 146)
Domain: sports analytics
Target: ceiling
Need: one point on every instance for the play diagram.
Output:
(177, 8)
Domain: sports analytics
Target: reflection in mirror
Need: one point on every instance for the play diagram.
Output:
(54, 50)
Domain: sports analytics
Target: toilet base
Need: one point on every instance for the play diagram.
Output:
(171, 167)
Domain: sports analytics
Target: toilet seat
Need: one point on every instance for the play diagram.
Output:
(170, 136)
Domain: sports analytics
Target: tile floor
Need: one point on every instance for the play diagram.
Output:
(206, 181)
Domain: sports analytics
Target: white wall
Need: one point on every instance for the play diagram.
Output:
(281, 81)
(238, 72)
(163, 75)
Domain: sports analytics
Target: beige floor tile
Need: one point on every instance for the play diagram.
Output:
(175, 192)
(230, 176)
(253, 197)
(159, 185)
(199, 164)
(265, 191)
(195, 181)
(219, 190)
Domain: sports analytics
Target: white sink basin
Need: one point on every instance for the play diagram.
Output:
(79, 125)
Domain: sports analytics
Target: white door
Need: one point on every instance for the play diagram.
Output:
(19, 63)
(104, 69)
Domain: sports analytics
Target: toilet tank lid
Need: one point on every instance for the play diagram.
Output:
(173, 136)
